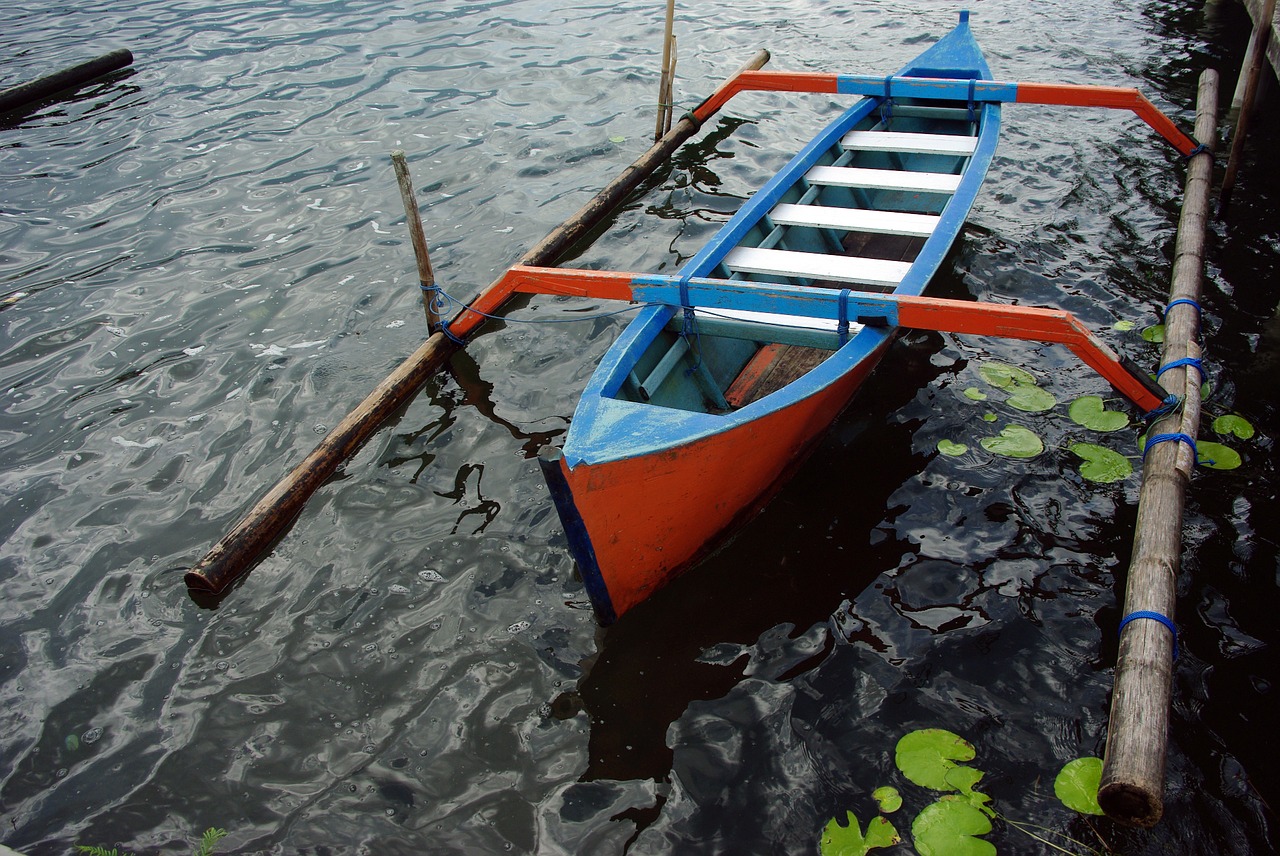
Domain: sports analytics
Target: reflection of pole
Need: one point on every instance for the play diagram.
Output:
(665, 86)
(426, 276)
(1257, 50)
(1132, 787)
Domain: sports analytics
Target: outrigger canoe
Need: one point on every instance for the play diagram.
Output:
(735, 366)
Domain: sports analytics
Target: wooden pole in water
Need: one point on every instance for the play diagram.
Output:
(426, 276)
(268, 519)
(26, 94)
(664, 85)
(1253, 74)
(1132, 787)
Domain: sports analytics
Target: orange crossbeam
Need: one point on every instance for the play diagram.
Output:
(1114, 97)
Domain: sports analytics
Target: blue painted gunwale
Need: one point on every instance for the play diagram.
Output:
(606, 428)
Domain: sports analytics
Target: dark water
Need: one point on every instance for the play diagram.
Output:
(212, 268)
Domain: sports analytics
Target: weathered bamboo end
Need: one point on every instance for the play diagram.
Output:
(268, 519)
(1132, 787)
(426, 276)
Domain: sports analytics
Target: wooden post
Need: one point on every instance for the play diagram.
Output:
(268, 519)
(426, 276)
(1258, 50)
(1132, 787)
(665, 84)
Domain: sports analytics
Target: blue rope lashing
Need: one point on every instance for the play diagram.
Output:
(1170, 404)
(1153, 616)
(1183, 300)
(1200, 149)
(886, 106)
(437, 301)
(1194, 362)
(1170, 438)
(973, 114)
(842, 326)
(689, 325)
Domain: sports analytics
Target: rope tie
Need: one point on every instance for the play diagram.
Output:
(1193, 362)
(973, 89)
(689, 325)
(437, 300)
(1171, 438)
(842, 328)
(1200, 149)
(1152, 616)
(1170, 405)
(886, 106)
(1186, 301)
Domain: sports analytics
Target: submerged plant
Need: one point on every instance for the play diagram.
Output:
(208, 841)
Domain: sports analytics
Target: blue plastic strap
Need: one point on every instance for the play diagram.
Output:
(1183, 300)
(842, 327)
(1194, 362)
(1170, 438)
(1153, 616)
(1200, 149)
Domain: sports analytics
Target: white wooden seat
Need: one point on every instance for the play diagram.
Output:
(855, 219)
(876, 272)
(896, 141)
(883, 179)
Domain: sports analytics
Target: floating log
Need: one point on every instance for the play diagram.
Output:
(268, 519)
(1132, 787)
(26, 94)
(1252, 74)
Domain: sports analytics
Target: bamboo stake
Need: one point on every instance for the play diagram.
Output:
(664, 85)
(1258, 50)
(1132, 787)
(426, 276)
(271, 515)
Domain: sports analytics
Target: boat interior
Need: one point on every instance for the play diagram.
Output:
(857, 218)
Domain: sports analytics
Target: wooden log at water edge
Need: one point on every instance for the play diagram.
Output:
(236, 552)
(26, 94)
(1132, 786)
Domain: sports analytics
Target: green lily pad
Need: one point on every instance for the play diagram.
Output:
(1154, 333)
(887, 798)
(928, 758)
(1216, 456)
(1077, 785)
(72, 742)
(989, 417)
(949, 827)
(1003, 375)
(974, 394)
(1014, 442)
(1031, 399)
(1102, 464)
(951, 449)
(848, 840)
(1091, 412)
(1232, 424)
(617, 139)
(1123, 326)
